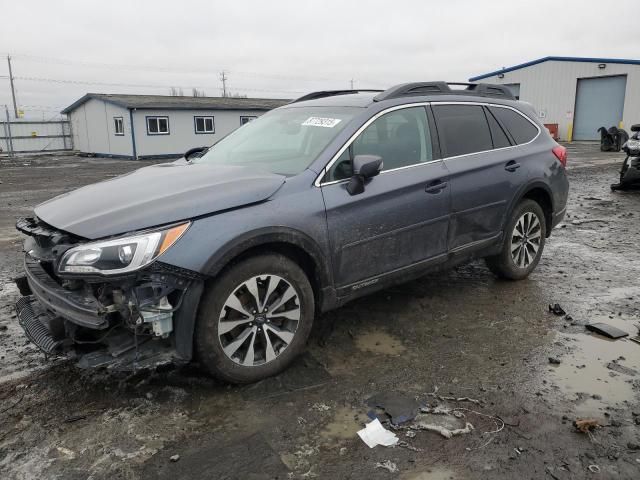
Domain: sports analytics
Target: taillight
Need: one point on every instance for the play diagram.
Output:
(561, 154)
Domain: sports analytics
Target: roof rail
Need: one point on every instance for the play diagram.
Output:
(444, 88)
(330, 93)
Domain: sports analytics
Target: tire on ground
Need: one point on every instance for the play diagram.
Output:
(208, 346)
(502, 264)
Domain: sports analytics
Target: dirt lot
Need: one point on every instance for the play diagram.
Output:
(462, 332)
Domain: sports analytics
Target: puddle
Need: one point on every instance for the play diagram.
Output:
(345, 424)
(379, 342)
(583, 372)
(432, 474)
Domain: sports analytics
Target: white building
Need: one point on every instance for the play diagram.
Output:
(145, 126)
(576, 95)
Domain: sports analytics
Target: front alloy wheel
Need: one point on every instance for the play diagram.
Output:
(254, 318)
(259, 320)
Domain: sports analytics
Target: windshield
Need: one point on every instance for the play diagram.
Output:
(283, 141)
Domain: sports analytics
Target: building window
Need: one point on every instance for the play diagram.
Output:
(247, 119)
(157, 125)
(118, 125)
(204, 124)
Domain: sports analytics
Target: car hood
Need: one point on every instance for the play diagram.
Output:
(156, 195)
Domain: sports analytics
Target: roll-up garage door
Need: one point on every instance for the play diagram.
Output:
(599, 103)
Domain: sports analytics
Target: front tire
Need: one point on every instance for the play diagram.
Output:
(255, 319)
(523, 243)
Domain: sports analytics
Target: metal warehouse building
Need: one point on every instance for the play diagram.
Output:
(144, 126)
(575, 95)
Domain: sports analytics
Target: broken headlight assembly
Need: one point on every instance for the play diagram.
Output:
(120, 255)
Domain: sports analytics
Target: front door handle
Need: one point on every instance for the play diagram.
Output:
(435, 187)
(512, 166)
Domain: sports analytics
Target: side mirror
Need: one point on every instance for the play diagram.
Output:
(364, 168)
(635, 128)
(194, 152)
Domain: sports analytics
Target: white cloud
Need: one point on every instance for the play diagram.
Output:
(279, 48)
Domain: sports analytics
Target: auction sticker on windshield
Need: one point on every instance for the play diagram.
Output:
(321, 122)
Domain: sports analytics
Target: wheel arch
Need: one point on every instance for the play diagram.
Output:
(540, 193)
(289, 242)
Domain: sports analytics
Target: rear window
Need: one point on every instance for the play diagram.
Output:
(521, 129)
(500, 139)
(462, 129)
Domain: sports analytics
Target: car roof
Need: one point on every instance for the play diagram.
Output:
(408, 93)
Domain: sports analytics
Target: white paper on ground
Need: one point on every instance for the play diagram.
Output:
(375, 434)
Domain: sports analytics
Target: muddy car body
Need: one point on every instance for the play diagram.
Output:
(228, 257)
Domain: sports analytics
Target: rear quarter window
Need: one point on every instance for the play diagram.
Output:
(521, 129)
(462, 129)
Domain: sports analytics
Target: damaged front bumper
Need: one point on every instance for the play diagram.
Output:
(124, 323)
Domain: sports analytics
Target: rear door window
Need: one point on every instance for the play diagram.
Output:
(462, 129)
(500, 139)
(521, 129)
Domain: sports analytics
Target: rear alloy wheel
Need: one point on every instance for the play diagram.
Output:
(522, 246)
(525, 240)
(255, 319)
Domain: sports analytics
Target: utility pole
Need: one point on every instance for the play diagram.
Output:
(352, 84)
(8, 130)
(13, 91)
(223, 78)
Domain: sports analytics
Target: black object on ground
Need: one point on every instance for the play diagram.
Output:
(607, 330)
(554, 361)
(400, 407)
(556, 309)
(616, 367)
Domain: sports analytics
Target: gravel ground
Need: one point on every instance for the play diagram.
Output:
(461, 333)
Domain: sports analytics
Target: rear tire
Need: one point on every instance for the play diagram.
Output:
(523, 243)
(254, 319)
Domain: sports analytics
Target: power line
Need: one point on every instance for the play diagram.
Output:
(138, 85)
(61, 61)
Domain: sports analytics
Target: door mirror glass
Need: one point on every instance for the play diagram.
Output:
(364, 168)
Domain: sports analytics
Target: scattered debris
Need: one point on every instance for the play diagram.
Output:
(374, 434)
(453, 399)
(445, 432)
(594, 468)
(389, 466)
(74, 418)
(400, 407)
(633, 446)
(320, 407)
(70, 454)
(174, 458)
(586, 425)
(554, 361)
(607, 330)
(589, 220)
(556, 309)
(410, 434)
(616, 367)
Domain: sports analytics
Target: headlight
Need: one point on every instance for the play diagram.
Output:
(121, 255)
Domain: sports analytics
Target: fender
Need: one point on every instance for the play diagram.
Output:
(263, 236)
(522, 191)
(186, 316)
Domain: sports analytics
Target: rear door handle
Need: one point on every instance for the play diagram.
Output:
(512, 166)
(435, 187)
